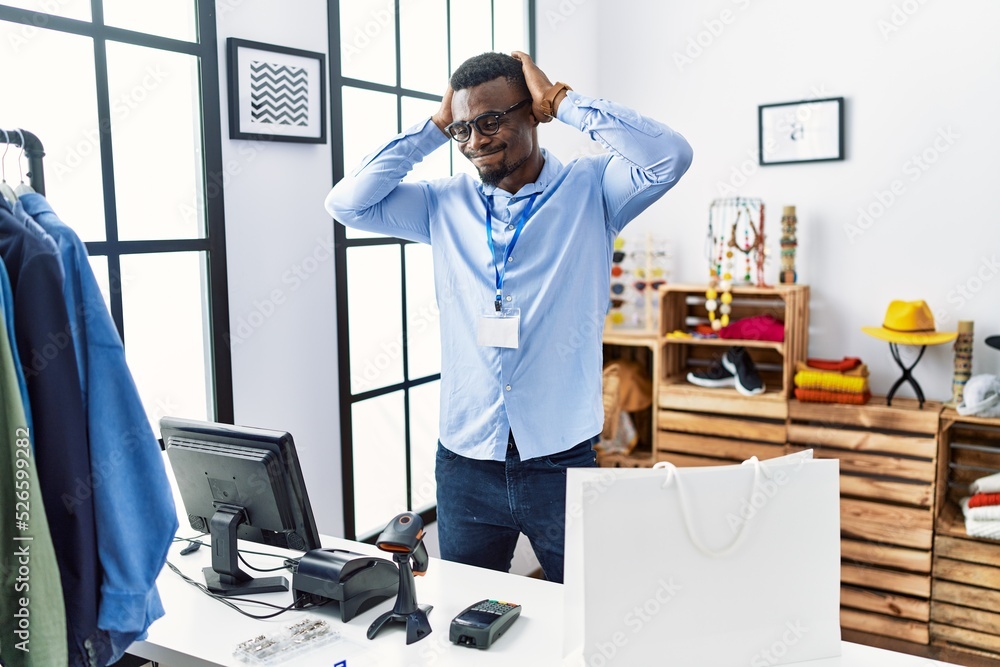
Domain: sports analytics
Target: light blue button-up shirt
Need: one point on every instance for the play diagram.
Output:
(547, 390)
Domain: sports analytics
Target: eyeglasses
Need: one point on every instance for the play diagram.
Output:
(653, 284)
(487, 124)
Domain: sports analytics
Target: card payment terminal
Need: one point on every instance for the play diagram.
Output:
(482, 623)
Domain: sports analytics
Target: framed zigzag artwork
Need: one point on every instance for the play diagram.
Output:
(276, 93)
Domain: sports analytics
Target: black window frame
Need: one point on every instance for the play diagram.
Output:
(342, 243)
(213, 244)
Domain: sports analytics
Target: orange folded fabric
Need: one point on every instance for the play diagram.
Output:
(826, 396)
(984, 499)
(845, 364)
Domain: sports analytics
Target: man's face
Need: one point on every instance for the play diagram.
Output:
(496, 156)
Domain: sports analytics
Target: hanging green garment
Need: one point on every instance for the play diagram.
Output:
(32, 615)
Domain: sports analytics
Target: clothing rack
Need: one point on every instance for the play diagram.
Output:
(34, 151)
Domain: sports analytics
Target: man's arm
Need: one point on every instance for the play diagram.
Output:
(373, 199)
(648, 157)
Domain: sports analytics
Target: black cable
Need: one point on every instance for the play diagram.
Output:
(227, 600)
(289, 563)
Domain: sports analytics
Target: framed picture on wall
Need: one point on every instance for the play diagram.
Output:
(276, 93)
(806, 131)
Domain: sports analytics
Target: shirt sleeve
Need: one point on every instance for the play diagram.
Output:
(374, 199)
(647, 157)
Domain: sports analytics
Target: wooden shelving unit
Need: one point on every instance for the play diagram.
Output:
(965, 593)
(640, 346)
(888, 470)
(683, 306)
(699, 426)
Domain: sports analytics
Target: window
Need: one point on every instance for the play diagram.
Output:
(395, 60)
(124, 96)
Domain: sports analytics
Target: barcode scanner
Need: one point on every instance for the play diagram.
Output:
(403, 538)
(404, 535)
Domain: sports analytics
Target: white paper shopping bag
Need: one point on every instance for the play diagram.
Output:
(703, 567)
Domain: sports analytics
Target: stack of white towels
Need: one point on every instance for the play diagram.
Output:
(982, 508)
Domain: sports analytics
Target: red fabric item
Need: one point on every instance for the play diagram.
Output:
(845, 364)
(755, 327)
(826, 396)
(984, 499)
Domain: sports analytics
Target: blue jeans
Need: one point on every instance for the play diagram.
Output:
(484, 505)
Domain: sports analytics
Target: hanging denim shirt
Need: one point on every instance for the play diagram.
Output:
(135, 513)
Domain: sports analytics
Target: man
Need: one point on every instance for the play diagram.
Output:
(522, 270)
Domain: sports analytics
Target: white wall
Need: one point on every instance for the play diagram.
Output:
(279, 242)
(912, 72)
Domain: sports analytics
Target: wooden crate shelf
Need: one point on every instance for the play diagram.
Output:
(642, 347)
(712, 426)
(965, 593)
(888, 472)
(683, 306)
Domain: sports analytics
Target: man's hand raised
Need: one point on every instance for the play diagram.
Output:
(538, 85)
(443, 118)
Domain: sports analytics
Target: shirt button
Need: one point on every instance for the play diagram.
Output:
(510, 259)
(509, 297)
(507, 387)
(510, 227)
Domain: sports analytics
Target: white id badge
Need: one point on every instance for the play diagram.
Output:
(499, 329)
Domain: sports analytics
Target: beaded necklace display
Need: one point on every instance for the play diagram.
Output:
(733, 219)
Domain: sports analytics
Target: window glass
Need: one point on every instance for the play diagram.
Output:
(437, 164)
(370, 119)
(510, 30)
(379, 462)
(71, 9)
(471, 30)
(368, 40)
(62, 113)
(165, 316)
(425, 403)
(375, 311)
(156, 134)
(423, 41)
(423, 319)
(167, 18)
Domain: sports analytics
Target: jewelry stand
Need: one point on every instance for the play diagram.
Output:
(907, 376)
(406, 610)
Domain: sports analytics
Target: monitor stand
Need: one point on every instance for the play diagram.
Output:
(225, 576)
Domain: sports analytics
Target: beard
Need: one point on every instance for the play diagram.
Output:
(494, 175)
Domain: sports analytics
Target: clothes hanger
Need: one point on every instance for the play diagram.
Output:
(5, 190)
(22, 188)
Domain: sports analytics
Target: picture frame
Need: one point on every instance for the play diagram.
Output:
(803, 131)
(276, 93)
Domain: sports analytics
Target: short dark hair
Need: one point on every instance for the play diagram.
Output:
(486, 67)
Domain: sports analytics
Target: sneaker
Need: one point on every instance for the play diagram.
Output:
(738, 362)
(714, 376)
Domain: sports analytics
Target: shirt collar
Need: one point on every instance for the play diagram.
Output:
(550, 168)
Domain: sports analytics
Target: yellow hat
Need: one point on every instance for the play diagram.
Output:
(910, 323)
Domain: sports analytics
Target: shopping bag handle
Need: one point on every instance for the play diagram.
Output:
(673, 478)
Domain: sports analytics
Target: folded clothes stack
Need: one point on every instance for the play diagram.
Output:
(832, 381)
(982, 508)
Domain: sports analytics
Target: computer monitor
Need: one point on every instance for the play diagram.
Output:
(240, 482)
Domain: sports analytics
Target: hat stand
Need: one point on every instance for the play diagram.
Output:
(907, 375)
